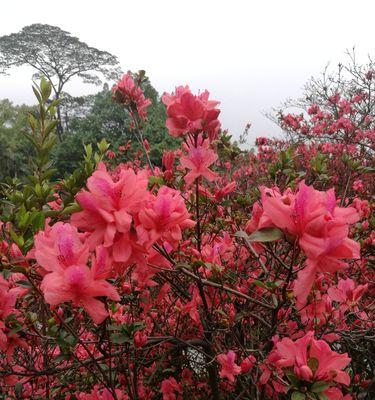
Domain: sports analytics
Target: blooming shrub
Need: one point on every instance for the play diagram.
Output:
(220, 274)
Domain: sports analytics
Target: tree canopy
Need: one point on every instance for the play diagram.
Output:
(93, 117)
(57, 55)
(87, 120)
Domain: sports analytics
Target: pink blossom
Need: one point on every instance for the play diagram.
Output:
(358, 185)
(168, 164)
(164, 215)
(335, 98)
(191, 307)
(105, 394)
(111, 154)
(140, 339)
(224, 191)
(59, 247)
(347, 293)
(229, 368)
(319, 225)
(62, 251)
(108, 209)
(247, 364)
(8, 340)
(298, 354)
(198, 160)
(129, 94)
(146, 145)
(171, 389)
(188, 113)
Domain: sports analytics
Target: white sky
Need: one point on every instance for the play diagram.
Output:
(251, 55)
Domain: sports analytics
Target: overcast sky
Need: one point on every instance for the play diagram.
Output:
(251, 55)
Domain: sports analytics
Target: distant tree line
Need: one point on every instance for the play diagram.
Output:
(59, 57)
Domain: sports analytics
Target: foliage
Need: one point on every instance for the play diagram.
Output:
(87, 120)
(14, 151)
(98, 116)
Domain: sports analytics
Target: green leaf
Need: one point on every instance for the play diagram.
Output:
(260, 284)
(120, 338)
(19, 240)
(241, 234)
(38, 221)
(32, 122)
(45, 88)
(137, 326)
(17, 328)
(155, 180)
(18, 268)
(292, 379)
(61, 357)
(71, 340)
(263, 235)
(88, 151)
(298, 396)
(319, 386)
(18, 387)
(37, 94)
(313, 363)
(71, 208)
(25, 284)
(24, 220)
(103, 146)
(114, 327)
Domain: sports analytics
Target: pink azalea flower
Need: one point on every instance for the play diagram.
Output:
(62, 251)
(297, 354)
(8, 340)
(164, 215)
(227, 189)
(188, 113)
(191, 307)
(318, 312)
(105, 394)
(60, 246)
(111, 154)
(129, 94)
(171, 389)
(229, 369)
(198, 160)
(143, 275)
(168, 164)
(320, 226)
(140, 339)
(247, 364)
(108, 209)
(333, 393)
(347, 293)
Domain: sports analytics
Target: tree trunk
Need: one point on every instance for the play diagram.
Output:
(60, 129)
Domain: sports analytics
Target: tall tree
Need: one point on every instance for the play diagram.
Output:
(58, 56)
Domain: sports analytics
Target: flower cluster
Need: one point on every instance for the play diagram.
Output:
(309, 365)
(63, 253)
(127, 219)
(215, 273)
(194, 117)
(321, 228)
(130, 95)
(189, 114)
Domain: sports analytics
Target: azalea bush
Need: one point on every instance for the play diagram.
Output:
(223, 274)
